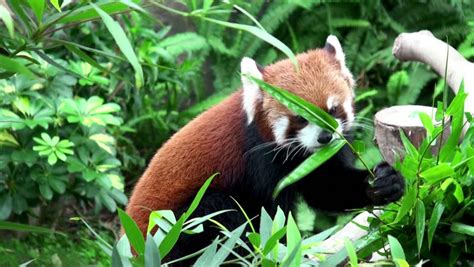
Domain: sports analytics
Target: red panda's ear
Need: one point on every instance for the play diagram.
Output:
(333, 46)
(252, 94)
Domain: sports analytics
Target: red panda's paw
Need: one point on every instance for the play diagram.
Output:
(388, 186)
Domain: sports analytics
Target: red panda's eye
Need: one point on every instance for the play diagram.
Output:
(300, 120)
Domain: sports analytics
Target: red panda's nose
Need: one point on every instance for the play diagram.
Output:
(324, 137)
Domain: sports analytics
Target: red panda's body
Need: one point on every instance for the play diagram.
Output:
(253, 141)
(200, 149)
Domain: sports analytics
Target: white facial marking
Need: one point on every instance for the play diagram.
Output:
(350, 113)
(252, 93)
(308, 136)
(340, 56)
(279, 129)
(331, 102)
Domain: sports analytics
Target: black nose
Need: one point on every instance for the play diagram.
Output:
(324, 137)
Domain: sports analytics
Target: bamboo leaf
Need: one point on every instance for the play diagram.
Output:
(434, 220)
(310, 164)
(123, 43)
(420, 223)
(132, 231)
(351, 252)
(10, 64)
(396, 248)
(7, 20)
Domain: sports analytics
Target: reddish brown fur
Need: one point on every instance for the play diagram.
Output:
(213, 142)
(208, 144)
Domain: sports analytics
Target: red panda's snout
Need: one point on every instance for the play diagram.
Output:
(322, 79)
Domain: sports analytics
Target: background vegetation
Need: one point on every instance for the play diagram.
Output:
(85, 102)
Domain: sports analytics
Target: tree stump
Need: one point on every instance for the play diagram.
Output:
(389, 122)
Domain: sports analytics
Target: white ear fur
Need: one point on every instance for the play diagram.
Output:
(252, 93)
(340, 57)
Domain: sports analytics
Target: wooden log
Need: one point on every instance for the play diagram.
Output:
(389, 122)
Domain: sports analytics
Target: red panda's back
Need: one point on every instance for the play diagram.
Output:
(212, 142)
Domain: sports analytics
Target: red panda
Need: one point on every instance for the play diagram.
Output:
(253, 141)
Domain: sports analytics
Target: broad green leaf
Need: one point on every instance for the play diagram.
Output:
(254, 239)
(5, 206)
(437, 173)
(434, 220)
(458, 193)
(462, 228)
(152, 255)
(7, 139)
(293, 241)
(294, 257)
(456, 110)
(407, 204)
(10, 64)
(7, 20)
(351, 252)
(309, 164)
(132, 231)
(38, 8)
(420, 223)
(300, 106)
(396, 249)
(265, 36)
(123, 43)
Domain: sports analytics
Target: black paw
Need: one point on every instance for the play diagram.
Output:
(388, 185)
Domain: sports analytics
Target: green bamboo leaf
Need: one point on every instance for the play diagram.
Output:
(89, 13)
(265, 36)
(7, 20)
(407, 204)
(152, 255)
(420, 223)
(56, 4)
(199, 196)
(427, 123)
(300, 106)
(438, 172)
(123, 43)
(409, 147)
(11, 226)
(309, 164)
(462, 228)
(172, 237)
(273, 240)
(10, 64)
(434, 220)
(351, 252)
(38, 8)
(293, 241)
(396, 248)
(132, 231)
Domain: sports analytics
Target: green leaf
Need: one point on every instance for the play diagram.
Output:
(132, 231)
(7, 20)
(351, 252)
(152, 255)
(56, 4)
(228, 246)
(206, 258)
(396, 249)
(409, 147)
(254, 238)
(198, 197)
(5, 206)
(309, 164)
(293, 241)
(265, 36)
(437, 173)
(407, 204)
(6, 139)
(10, 64)
(273, 240)
(462, 228)
(434, 220)
(123, 43)
(265, 226)
(395, 85)
(11, 226)
(38, 8)
(420, 223)
(427, 123)
(46, 191)
(300, 106)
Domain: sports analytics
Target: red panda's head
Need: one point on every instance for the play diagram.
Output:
(323, 79)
